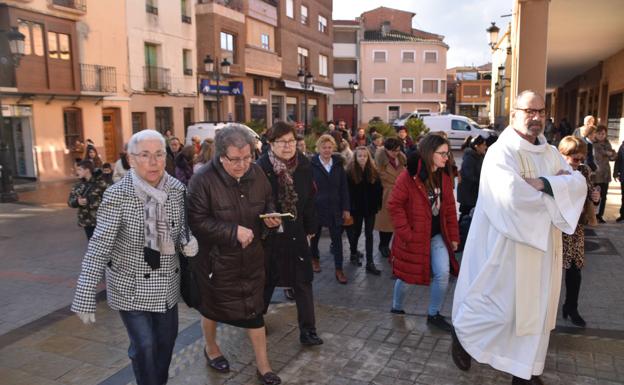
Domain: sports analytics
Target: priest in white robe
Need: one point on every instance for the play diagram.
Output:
(507, 292)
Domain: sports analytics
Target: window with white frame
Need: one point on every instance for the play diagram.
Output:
(302, 58)
(322, 24)
(429, 86)
(304, 14)
(379, 86)
(290, 8)
(393, 113)
(187, 60)
(322, 65)
(407, 86)
(266, 42)
(431, 56)
(227, 46)
(408, 56)
(379, 56)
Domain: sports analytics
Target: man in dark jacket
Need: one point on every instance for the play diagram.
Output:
(173, 149)
(331, 200)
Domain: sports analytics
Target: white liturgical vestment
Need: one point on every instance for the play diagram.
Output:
(507, 292)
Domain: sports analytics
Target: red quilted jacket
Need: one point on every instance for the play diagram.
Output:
(410, 212)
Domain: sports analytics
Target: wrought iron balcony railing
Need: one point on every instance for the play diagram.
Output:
(157, 79)
(80, 5)
(97, 78)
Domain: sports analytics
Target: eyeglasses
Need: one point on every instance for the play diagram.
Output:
(532, 112)
(285, 143)
(239, 161)
(145, 156)
(443, 154)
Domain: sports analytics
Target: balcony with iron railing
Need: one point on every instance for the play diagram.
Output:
(232, 9)
(97, 78)
(157, 79)
(73, 5)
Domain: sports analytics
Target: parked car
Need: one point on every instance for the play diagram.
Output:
(456, 127)
(207, 130)
(401, 120)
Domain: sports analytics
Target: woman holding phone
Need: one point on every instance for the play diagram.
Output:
(289, 262)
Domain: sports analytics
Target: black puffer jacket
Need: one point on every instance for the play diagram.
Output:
(231, 279)
(288, 253)
(470, 172)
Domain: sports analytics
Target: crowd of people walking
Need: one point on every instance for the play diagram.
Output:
(250, 219)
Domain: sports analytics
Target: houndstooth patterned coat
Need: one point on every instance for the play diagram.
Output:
(117, 249)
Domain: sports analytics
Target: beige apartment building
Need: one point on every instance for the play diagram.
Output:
(97, 70)
(468, 92)
(401, 69)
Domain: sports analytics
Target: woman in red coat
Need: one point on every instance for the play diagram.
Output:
(422, 209)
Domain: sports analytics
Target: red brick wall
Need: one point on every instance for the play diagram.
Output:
(399, 20)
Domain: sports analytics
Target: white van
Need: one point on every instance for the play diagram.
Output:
(207, 130)
(401, 120)
(456, 127)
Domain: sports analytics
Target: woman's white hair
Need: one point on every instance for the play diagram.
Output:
(144, 135)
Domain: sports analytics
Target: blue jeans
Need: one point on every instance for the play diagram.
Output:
(440, 268)
(152, 338)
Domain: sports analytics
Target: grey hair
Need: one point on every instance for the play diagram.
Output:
(142, 136)
(524, 93)
(233, 135)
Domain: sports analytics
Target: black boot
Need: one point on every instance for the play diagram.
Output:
(461, 358)
(575, 317)
(372, 269)
(310, 338)
(535, 380)
(355, 258)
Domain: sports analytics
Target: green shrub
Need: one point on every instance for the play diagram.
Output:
(310, 141)
(416, 128)
(259, 126)
(382, 128)
(318, 127)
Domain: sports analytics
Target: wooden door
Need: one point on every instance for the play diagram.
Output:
(110, 137)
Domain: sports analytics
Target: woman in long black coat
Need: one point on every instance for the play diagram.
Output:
(331, 201)
(468, 188)
(289, 262)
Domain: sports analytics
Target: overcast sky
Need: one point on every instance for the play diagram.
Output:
(462, 22)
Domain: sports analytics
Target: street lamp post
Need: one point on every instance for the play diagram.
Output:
(305, 79)
(216, 74)
(353, 87)
(16, 48)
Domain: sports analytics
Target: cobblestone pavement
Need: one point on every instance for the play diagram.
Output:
(364, 343)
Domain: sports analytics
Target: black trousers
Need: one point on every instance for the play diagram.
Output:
(354, 231)
(89, 231)
(335, 233)
(384, 239)
(622, 204)
(573, 287)
(604, 189)
(464, 210)
(304, 301)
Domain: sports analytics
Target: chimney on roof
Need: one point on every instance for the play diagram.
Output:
(385, 28)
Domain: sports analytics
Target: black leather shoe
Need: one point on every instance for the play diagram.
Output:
(310, 338)
(355, 259)
(439, 322)
(461, 358)
(575, 317)
(268, 378)
(535, 380)
(397, 311)
(372, 269)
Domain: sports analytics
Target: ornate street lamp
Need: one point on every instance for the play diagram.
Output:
(353, 87)
(16, 47)
(217, 74)
(493, 34)
(305, 79)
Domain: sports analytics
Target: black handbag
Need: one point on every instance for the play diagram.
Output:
(188, 280)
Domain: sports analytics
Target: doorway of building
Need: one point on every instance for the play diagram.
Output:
(112, 133)
(347, 113)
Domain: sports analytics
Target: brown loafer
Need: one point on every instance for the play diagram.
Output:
(316, 265)
(341, 277)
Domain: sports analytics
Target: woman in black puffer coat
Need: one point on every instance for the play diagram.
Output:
(468, 188)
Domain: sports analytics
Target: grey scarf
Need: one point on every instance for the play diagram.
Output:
(157, 231)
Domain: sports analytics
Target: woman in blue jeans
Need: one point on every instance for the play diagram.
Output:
(422, 209)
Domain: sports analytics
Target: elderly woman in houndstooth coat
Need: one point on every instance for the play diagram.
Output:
(140, 227)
